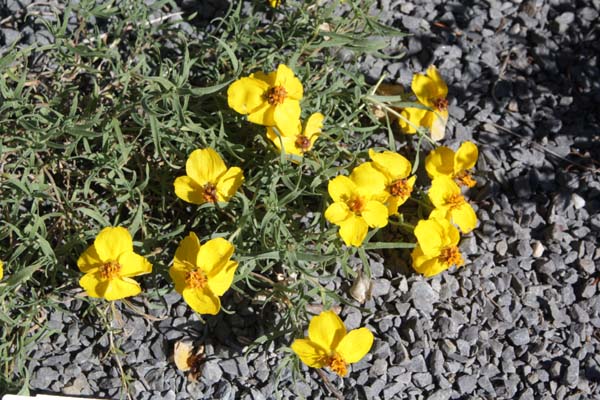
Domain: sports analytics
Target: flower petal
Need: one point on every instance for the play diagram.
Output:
(438, 124)
(219, 280)
(287, 115)
(337, 213)
(430, 235)
(246, 95)
(119, 288)
(178, 273)
(355, 345)
(188, 190)
(375, 214)
(263, 115)
(93, 284)
(133, 264)
(213, 255)
(285, 77)
(112, 242)
(413, 119)
(326, 330)
(204, 166)
(314, 126)
(353, 230)
(341, 188)
(370, 181)
(465, 217)
(391, 163)
(440, 162)
(89, 259)
(426, 265)
(187, 251)
(229, 183)
(310, 353)
(202, 301)
(441, 188)
(436, 78)
(466, 157)
(424, 88)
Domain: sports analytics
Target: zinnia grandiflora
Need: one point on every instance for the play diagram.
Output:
(450, 204)
(268, 99)
(437, 247)
(298, 141)
(358, 203)
(203, 273)
(110, 263)
(396, 170)
(328, 344)
(444, 161)
(208, 180)
(431, 91)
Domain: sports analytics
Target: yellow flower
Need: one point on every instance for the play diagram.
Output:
(208, 180)
(298, 141)
(328, 344)
(268, 99)
(445, 162)
(110, 263)
(437, 248)
(358, 203)
(450, 204)
(202, 273)
(1, 270)
(431, 91)
(274, 3)
(396, 170)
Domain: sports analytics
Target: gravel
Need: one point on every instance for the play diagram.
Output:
(518, 321)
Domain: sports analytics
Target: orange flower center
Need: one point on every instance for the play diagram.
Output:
(209, 193)
(455, 200)
(302, 143)
(465, 179)
(276, 95)
(196, 279)
(356, 205)
(110, 270)
(451, 256)
(338, 365)
(440, 104)
(400, 188)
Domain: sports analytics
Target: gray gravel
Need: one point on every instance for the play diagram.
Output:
(519, 321)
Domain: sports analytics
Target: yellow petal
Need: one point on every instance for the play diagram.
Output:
(337, 213)
(440, 162)
(1, 270)
(287, 115)
(441, 188)
(187, 251)
(438, 126)
(263, 115)
(93, 284)
(465, 217)
(466, 157)
(202, 301)
(369, 181)
(289, 142)
(424, 88)
(214, 254)
(89, 259)
(112, 242)
(229, 183)
(430, 234)
(426, 265)
(188, 190)
(353, 230)
(246, 95)
(119, 288)
(178, 273)
(392, 164)
(396, 201)
(133, 264)
(355, 345)
(326, 330)
(314, 126)
(310, 353)
(414, 116)
(341, 188)
(285, 77)
(451, 235)
(204, 166)
(219, 280)
(375, 214)
(440, 85)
